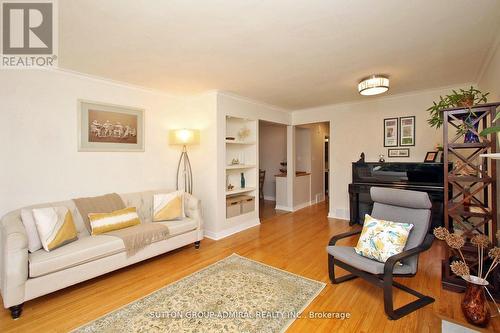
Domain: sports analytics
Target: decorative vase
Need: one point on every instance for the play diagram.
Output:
(474, 305)
(470, 136)
(242, 180)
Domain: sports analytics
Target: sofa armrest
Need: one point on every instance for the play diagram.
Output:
(13, 259)
(192, 209)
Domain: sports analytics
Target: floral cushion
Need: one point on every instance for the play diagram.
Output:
(381, 239)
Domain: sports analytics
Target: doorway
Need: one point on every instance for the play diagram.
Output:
(272, 165)
(311, 182)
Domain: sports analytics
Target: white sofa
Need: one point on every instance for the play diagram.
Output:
(25, 276)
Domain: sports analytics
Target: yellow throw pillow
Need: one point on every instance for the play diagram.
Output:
(381, 239)
(119, 219)
(168, 206)
(55, 226)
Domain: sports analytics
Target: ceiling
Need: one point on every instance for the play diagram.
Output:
(291, 53)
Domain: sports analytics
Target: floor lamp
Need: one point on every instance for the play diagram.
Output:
(184, 137)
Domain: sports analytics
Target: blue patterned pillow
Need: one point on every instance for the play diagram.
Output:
(381, 239)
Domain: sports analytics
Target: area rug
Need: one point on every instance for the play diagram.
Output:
(235, 294)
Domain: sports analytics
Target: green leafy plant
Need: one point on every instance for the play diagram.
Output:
(492, 129)
(462, 98)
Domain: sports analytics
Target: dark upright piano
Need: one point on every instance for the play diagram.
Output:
(425, 177)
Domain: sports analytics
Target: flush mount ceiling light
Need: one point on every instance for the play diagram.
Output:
(373, 85)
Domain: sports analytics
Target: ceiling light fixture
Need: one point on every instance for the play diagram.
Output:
(373, 85)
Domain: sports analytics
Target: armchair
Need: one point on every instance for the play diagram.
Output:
(397, 206)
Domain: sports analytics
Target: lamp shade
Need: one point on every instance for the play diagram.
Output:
(373, 85)
(184, 137)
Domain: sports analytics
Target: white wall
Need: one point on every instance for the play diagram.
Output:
(40, 161)
(358, 127)
(490, 79)
(201, 112)
(302, 149)
(272, 151)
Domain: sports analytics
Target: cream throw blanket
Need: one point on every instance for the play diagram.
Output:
(102, 204)
(139, 236)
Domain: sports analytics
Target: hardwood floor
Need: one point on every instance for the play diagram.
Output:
(294, 242)
(267, 210)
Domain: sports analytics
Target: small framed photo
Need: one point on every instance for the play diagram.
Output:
(398, 152)
(391, 132)
(431, 157)
(108, 127)
(407, 131)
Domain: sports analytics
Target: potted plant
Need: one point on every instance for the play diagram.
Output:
(462, 98)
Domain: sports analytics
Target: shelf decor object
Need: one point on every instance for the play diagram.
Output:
(184, 137)
(470, 194)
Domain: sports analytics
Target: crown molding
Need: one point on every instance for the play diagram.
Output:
(253, 101)
(104, 80)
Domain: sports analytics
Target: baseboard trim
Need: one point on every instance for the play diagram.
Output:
(233, 230)
(339, 215)
(302, 205)
(285, 208)
(297, 207)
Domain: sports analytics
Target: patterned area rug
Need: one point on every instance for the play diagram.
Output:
(235, 294)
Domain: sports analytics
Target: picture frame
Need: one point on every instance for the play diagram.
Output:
(431, 157)
(407, 131)
(398, 152)
(104, 127)
(391, 130)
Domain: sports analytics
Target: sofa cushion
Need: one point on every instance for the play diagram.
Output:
(168, 206)
(55, 226)
(77, 218)
(347, 255)
(106, 203)
(101, 223)
(177, 227)
(73, 254)
(143, 201)
(91, 248)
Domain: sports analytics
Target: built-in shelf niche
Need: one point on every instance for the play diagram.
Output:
(243, 152)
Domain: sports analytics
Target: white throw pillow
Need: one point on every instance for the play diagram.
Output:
(55, 227)
(34, 243)
(168, 206)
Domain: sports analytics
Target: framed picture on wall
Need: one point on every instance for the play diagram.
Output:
(407, 131)
(398, 152)
(391, 132)
(108, 127)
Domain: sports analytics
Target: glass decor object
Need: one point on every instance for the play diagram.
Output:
(471, 136)
(242, 180)
(474, 305)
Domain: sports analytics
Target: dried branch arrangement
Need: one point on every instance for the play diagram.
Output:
(456, 242)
